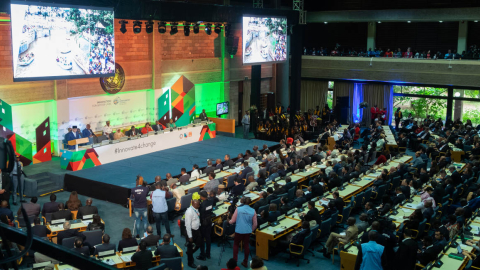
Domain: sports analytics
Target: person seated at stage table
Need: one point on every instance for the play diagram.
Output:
(107, 129)
(171, 124)
(62, 213)
(147, 128)
(119, 134)
(105, 245)
(185, 176)
(80, 248)
(218, 164)
(228, 162)
(73, 202)
(151, 239)
(50, 207)
(238, 188)
(72, 135)
(209, 167)
(88, 209)
(177, 192)
(127, 240)
(88, 133)
(165, 250)
(40, 230)
(96, 224)
(203, 116)
(132, 132)
(246, 169)
(158, 126)
(153, 187)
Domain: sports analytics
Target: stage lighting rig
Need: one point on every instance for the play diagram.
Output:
(208, 28)
(173, 28)
(162, 27)
(137, 27)
(186, 29)
(149, 27)
(123, 29)
(196, 28)
(218, 28)
(227, 29)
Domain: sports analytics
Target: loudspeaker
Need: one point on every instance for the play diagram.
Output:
(232, 45)
(342, 109)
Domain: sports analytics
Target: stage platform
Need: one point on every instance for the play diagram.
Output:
(112, 182)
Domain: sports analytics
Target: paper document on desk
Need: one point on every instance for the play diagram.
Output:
(126, 258)
(86, 222)
(475, 229)
(324, 202)
(109, 262)
(411, 205)
(407, 211)
(251, 195)
(321, 183)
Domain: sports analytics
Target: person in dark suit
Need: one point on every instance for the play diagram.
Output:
(127, 240)
(289, 184)
(86, 210)
(399, 197)
(132, 132)
(306, 159)
(72, 135)
(38, 229)
(105, 245)
(338, 201)
(5, 211)
(209, 167)
(261, 202)
(273, 213)
(165, 250)
(407, 252)
(239, 187)
(143, 257)
(32, 208)
(185, 177)
(228, 162)
(67, 233)
(62, 213)
(312, 214)
(330, 211)
(50, 207)
(285, 206)
(219, 164)
(158, 126)
(299, 200)
(405, 189)
(456, 177)
(376, 226)
(151, 239)
(246, 169)
(428, 211)
(428, 252)
(316, 189)
(80, 248)
(298, 238)
(270, 163)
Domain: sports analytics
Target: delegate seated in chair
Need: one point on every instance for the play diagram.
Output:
(334, 239)
(296, 237)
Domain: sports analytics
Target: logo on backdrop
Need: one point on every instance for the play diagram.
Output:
(114, 84)
(185, 135)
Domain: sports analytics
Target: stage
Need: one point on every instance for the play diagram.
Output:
(112, 182)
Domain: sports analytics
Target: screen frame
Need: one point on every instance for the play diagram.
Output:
(243, 48)
(49, 78)
(228, 106)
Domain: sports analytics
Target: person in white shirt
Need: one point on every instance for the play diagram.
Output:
(192, 226)
(195, 171)
(380, 143)
(222, 195)
(107, 129)
(177, 192)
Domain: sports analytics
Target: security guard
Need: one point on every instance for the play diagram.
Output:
(18, 179)
(206, 210)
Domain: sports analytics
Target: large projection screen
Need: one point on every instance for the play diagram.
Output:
(264, 40)
(55, 41)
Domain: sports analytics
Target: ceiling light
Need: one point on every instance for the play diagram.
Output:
(476, 21)
(149, 27)
(408, 21)
(137, 27)
(218, 28)
(186, 29)
(440, 21)
(379, 22)
(208, 28)
(162, 28)
(325, 22)
(196, 28)
(173, 28)
(123, 29)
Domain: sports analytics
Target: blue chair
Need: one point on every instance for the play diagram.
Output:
(173, 263)
(334, 219)
(185, 201)
(193, 190)
(297, 252)
(161, 266)
(291, 193)
(69, 242)
(277, 202)
(93, 237)
(344, 216)
(325, 229)
(231, 181)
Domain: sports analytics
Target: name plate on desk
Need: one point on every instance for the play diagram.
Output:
(289, 174)
(115, 141)
(216, 171)
(129, 249)
(263, 226)
(226, 168)
(143, 136)
(296, 171)
(57, 221)
(106, 253)
(203, 175)
(289, 213)
(87, 217)
(192, 178)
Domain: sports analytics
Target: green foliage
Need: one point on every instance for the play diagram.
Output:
(421, 107)
(473, 115)
(90, 20)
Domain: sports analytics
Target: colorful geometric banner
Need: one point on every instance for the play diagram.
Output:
(76, 161)
(22, 147)
(208, 132)
(6, 114)
(44, 148)
(178, 103)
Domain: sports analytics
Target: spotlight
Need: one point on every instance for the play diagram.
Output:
(218, 28)
(196, 28)
(186, 29)
(476, 21)
(149, 27)
(208, 28)
(173, 28)
(440, 21)
(162, 28)
(325, 22)
(123, 29)
(137, 27)
(379, 22)
(409, 21)
(227, 29)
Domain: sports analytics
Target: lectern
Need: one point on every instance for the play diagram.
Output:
(76, 142)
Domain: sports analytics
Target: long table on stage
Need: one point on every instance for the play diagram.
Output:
(148, 143)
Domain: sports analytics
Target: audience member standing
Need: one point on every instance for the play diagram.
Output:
(160, 209)
(17, 176)
(139, 195)
(206, 209)
(192, 226)
(370, 255)
(246, 222)
(246, 125)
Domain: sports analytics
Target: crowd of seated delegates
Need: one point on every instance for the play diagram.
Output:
(471, 53)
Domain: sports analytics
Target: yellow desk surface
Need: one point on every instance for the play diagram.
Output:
(295, 178)
(389, 166)
(115, 258)
(403, 159)
(305, 210)
(398, 218)
(309, 172)
(58, 228)
(193, 184)
(263, 237)
(451, 263)
(348, 191)
(413, 205)
(365, 181)
(221, 210)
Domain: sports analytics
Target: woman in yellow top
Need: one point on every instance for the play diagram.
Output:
(260, 126)
(317, 111)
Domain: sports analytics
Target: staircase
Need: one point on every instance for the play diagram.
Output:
(43, 184)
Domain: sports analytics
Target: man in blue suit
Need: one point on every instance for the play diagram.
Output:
(88, 133)
(72, 136)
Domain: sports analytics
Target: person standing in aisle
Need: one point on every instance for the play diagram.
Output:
(160, 209)
(246, 125)
(192, 226)
(139, 195)
(18, 179)
(246, 222)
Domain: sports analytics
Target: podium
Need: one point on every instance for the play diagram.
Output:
(76, 142)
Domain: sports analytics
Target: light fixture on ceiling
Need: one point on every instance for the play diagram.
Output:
(162, 27)
(137, 27)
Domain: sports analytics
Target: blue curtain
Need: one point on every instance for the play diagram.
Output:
(357, 113)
